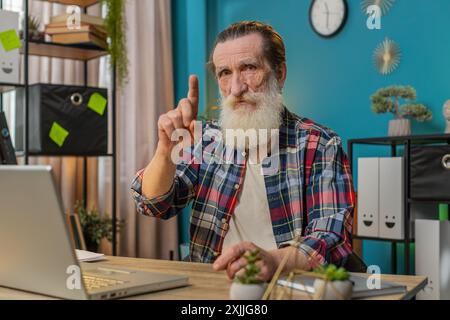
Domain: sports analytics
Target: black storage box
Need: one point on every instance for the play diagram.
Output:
(430, 173)
(80, 129)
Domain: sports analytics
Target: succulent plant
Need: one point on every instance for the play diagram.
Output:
(250, 275)
(333, 273)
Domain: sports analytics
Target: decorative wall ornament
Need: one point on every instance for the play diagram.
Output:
(387, 56)
(384, 5)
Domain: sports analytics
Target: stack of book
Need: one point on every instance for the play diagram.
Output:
(91, 30)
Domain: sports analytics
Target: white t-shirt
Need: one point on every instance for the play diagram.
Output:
(251, 218)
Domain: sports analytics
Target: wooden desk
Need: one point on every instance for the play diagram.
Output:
(206, 284)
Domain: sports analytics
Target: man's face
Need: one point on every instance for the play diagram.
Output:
(241, 68)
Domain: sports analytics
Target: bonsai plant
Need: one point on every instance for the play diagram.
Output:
(332, 283)
(248, 286)
(115, 25)
(388, 100)
(33, 29)
(95, 226)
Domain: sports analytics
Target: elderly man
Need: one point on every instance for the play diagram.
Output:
(238, 208)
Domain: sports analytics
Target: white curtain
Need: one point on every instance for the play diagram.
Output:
(148, 94)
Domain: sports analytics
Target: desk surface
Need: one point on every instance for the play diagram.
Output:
(206, 284)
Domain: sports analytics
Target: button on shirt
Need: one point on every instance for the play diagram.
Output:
(251, 218)
(311, 193)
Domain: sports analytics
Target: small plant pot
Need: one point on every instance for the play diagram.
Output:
(239, 291)
(399, 127)
(332, 290)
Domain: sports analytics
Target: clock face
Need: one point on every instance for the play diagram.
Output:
(327, 17)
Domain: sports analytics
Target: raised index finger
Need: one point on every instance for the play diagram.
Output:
(193, 93)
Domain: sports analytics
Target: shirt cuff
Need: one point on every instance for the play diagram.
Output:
(314, 259)
(142, 201)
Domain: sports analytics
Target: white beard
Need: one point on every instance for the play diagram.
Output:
(267, 114)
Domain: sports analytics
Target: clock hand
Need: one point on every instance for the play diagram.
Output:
(327, 11)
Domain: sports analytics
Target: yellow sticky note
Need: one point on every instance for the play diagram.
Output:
(97, 103)
(10, 40)
(58, 134)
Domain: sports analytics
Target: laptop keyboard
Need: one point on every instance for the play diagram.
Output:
(92, 282)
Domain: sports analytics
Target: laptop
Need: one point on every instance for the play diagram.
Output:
(36, 251)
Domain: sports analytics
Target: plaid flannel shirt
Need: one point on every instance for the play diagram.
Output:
(311, 194)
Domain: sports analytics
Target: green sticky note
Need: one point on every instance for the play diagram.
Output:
(10, 40)
(58, 134)
(443, 212)
(97, 103)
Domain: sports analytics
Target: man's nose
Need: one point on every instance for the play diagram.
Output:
(238, 85)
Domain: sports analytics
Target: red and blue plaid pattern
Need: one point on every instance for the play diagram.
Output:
(311, 194)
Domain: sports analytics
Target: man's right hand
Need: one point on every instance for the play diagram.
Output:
(182, 117)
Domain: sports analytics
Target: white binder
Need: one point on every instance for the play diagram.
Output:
(433, 258)
(391, 201)
(9, 60)
(368, 170)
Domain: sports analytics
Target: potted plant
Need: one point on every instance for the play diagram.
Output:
(115, 24)
(95, 226)
(33, 29)
(332, 283)
(248, 286)
(388, 100)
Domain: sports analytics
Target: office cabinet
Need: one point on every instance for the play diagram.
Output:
(416, 204)
(433, 258)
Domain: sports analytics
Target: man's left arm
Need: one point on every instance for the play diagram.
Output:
(330, 201)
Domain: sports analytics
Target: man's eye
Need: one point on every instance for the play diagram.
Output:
(224, 73)
(249, 67)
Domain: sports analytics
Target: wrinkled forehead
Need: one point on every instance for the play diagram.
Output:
(249, 47)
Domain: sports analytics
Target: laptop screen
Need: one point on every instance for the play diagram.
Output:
(7, 153)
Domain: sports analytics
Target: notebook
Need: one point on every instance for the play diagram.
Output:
(87, 256)
(360, 288)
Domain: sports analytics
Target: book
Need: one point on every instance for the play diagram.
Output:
(360, 288)
(100, 32)
(80, 37)
(88, 256)
(101, 28)
(84, 18)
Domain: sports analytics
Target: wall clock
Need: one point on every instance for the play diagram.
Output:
(328, 17)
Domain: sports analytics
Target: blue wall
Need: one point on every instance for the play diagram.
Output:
(330, 81)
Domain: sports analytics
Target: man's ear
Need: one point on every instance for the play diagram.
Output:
(281, 75)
